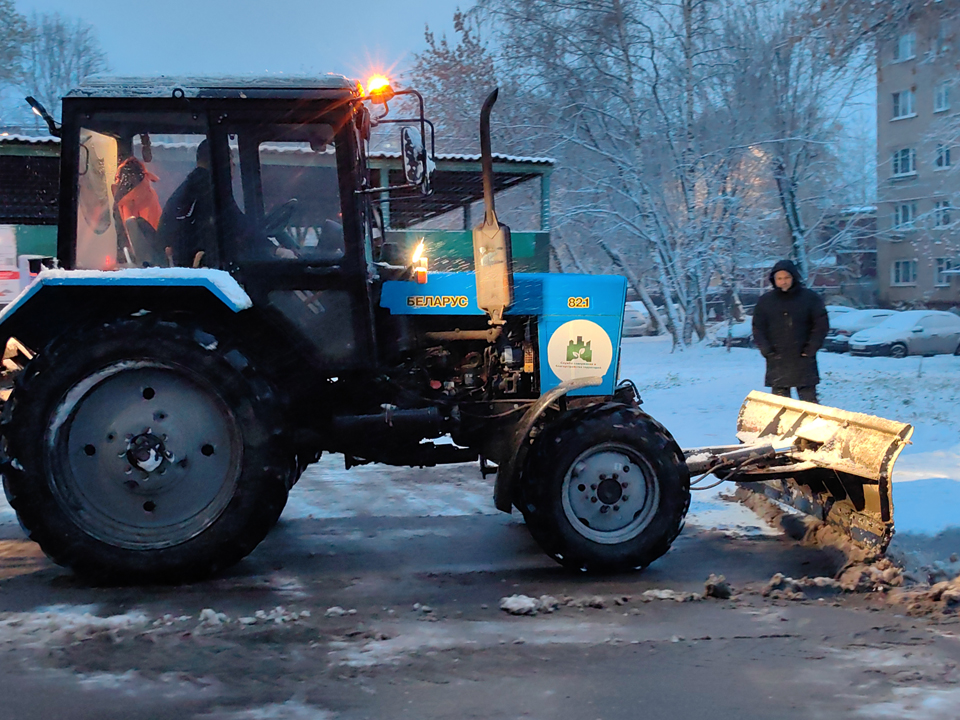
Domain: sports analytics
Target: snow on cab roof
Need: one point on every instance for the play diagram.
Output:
(196, 86)
(461, 157)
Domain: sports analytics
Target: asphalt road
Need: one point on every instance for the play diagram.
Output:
(356, 614)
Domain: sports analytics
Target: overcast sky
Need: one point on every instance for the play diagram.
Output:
(216, 37)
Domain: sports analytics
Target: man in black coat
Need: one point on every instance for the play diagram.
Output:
(789, 325)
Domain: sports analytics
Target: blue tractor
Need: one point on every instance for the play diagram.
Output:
(226, 309)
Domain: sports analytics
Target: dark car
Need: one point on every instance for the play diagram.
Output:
(848, 324)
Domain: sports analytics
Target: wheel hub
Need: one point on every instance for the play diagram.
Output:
(609, 490)
(610, 493)
(147, 452)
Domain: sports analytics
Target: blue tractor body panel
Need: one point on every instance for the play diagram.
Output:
(219, 283)
(580, 318)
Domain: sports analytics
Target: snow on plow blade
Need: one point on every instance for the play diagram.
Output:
(833, 464)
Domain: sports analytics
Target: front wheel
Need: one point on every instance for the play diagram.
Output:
(899, 351)
(605, 489)
(144, 450)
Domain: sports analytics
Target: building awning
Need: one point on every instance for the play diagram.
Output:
(457, 182)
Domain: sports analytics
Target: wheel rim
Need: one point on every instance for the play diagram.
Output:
(898, 351)
(610, 493)
(144, 455)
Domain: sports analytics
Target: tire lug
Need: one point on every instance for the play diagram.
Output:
(625, 498)
(593, 486)
(605, 508)
(593, 499)
(616, 507)
(624, 485)
(614, 477)
(603, 476)
(626, 468)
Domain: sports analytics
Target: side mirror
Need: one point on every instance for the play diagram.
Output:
(413, 154)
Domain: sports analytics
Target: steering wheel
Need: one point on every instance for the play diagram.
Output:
(275, 224)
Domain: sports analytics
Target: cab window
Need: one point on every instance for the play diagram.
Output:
(290, 194)
(144, 192)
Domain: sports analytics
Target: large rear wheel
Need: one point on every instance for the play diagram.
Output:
(144, 450)
(605, 489)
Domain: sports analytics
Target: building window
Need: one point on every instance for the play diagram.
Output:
(941, 213)
(943, 264)
(904, 214)
(904, 161)
(903, 272)
(943, 156)
(941, 97)
(903, 104)
(905, 48)
(943, 36)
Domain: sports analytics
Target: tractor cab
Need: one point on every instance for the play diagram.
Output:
(265, 179)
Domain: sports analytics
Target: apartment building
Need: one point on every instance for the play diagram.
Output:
(918, 161)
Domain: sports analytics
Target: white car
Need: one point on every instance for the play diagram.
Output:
(913, 332)
(848, 324)
(835, 312)
(636, 321)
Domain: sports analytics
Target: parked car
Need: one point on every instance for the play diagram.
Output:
(835, 312)
(847, 324)
(913, 332)
(739, 335)
(636, 320)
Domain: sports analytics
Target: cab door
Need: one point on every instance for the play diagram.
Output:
(299, 251)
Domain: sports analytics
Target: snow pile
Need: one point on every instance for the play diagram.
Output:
(666, 594)
(278, 616)
(524, 605)
(66, 623)
(941, 598)
(869, 577)
(880, 576)
(717, 587)
(290, 710)
(337, 611)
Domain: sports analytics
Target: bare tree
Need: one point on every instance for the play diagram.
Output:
(13, 27)
(694, 137)
(59, 54)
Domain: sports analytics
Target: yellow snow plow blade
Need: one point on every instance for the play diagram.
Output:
(833, 464)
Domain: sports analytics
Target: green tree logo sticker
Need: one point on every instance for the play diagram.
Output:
(579, 350)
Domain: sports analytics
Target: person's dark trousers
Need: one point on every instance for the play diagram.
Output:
(807, 393)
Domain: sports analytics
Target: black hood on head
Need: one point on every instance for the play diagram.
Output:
(790, 268)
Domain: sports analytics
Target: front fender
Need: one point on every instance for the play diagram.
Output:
(509, 469)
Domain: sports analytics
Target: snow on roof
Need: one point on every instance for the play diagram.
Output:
(28, 139)
(193, 86)
(460, 157)
(860, 210)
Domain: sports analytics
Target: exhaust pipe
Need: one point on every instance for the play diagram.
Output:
(492, 250)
